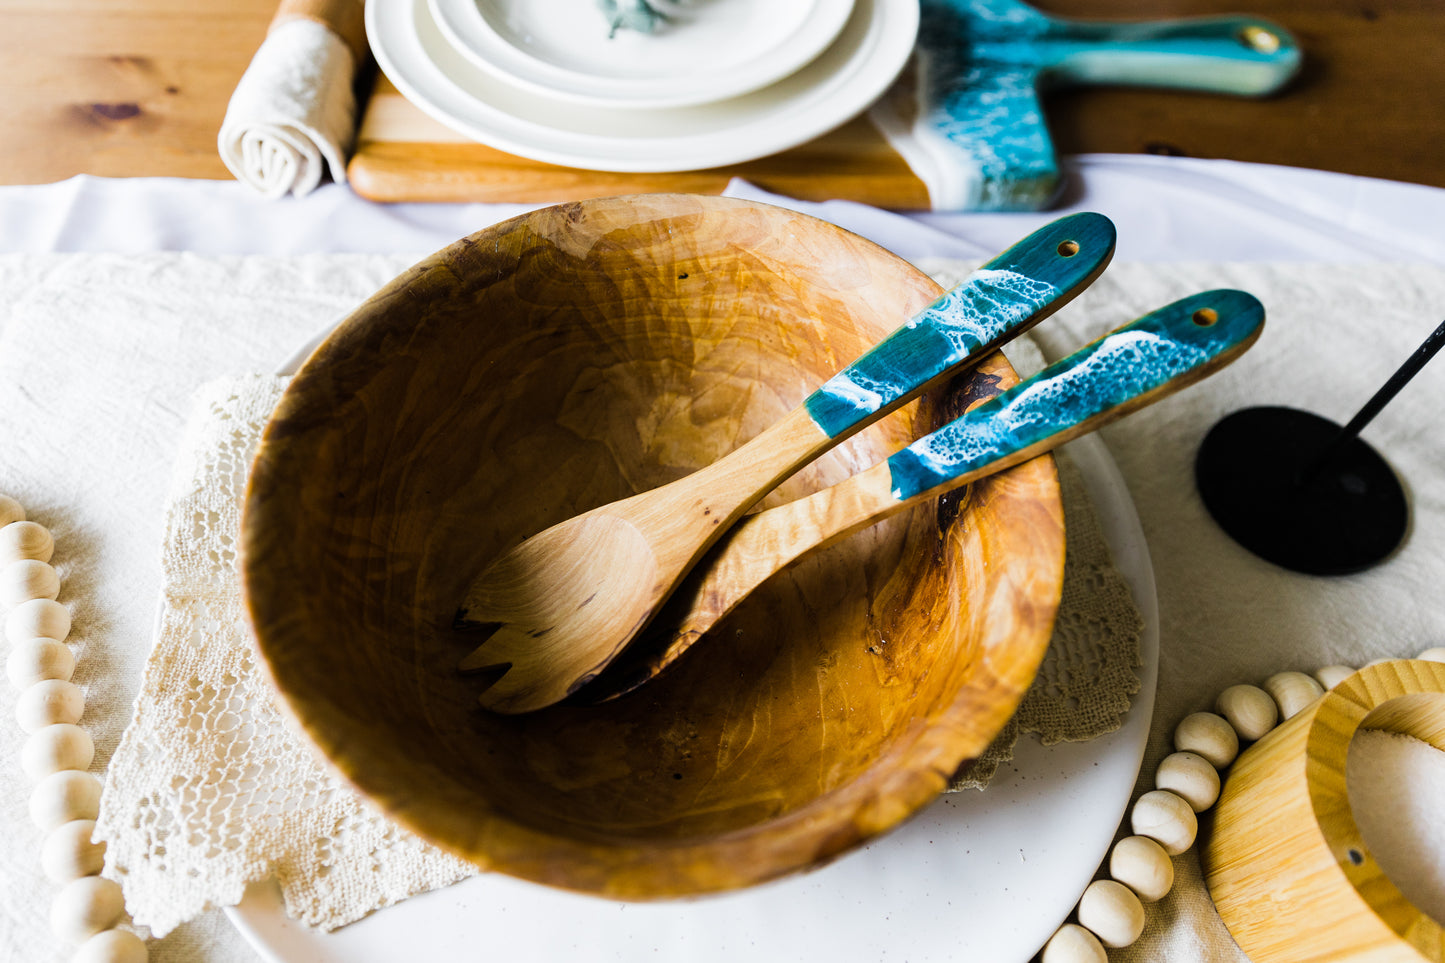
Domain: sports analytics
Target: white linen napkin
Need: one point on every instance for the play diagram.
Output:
(292, 117)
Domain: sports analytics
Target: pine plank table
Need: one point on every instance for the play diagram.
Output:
(139, 88)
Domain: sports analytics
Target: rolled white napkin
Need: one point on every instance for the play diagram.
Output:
(293, 114)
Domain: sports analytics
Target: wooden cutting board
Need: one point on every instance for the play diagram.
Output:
(403, 154)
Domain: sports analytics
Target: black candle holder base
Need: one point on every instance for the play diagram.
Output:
(1283, 484)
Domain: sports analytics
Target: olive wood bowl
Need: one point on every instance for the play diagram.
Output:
(570, 357)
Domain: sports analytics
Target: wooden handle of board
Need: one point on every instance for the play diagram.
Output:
(345, 18)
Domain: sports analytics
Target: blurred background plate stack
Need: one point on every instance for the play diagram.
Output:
(719, 84)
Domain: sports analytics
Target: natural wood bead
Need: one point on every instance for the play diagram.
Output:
(69, 853)
(35, 660)
(48, 703)
(112, 946)
(1166, 819)
(27, 579)
(1207, 735)
(1071, 943)
(1112, 912)
(1436, 654)
(1142, 865)
(43, 618)
(1292, 692)
(1191, 776)
(1332, 675)
(10, 511)
(56, 748)
(24, 539)
(64, 796)
(1249, 709)
(84, 907)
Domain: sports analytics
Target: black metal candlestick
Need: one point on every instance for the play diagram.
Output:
(1302, 492)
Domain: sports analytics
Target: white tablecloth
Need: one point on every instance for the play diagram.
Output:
(99, 439)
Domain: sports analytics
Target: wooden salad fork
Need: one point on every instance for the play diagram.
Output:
(1131, 367)
(561, 605)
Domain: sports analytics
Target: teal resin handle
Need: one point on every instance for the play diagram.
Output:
(980, 134)
(1122, 371)
(1245, 56)
(999, 301)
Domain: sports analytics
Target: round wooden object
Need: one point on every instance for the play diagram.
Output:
(26, 579)
(64, 796)
(112, 946)
(84, 907)
(1071, 943)
(1142, 865)
(1208, 735)
(1112, 912)
(55, 749)
(22, 539)
(1283, 824)
(68, 852)
(1165, 818)
(1249, 709)
(48, 703)
(1292, 692)
(1330, 676)
(11, 511)
(1189, 776)
(571, 357)
(38, 618)
(35, 660)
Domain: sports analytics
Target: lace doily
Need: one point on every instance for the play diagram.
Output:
(212, 787)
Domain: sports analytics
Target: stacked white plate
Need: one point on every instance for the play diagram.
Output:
(722, 82)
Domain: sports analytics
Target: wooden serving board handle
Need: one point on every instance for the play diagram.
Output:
(404, 155)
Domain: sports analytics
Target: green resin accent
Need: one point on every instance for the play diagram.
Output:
(636, 15)
(992, 304)
(1121, 366)
(987, 61)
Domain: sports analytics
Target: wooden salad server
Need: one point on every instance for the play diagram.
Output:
(562, 604)
(1127, 369)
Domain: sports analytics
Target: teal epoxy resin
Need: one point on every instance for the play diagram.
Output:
(980, 140)
(1123, 365)
(993, 303)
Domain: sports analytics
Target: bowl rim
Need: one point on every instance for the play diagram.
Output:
(920, 762)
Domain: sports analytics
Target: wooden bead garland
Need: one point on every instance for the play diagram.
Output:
(66, 798)
(1165, 817)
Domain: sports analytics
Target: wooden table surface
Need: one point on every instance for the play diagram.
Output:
(139, 87)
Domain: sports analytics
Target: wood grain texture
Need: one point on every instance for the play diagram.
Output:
(1363, 104)
(554, 611)
(140, 90)
(1283, 826)
(566, 359)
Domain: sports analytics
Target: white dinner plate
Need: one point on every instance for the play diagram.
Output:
(838, 85)
(707, 50)
(976, 876)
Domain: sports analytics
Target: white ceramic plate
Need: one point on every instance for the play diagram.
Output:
(837, 86)
(708, 50)
(976, 876)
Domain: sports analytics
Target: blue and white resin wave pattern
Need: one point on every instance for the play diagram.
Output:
(1121, 366)
(970, 316)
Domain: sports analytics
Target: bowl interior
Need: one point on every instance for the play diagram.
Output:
(569, 358)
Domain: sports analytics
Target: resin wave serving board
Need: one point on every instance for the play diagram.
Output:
(965, 129)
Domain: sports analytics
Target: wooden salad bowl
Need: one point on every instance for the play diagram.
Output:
(570, 357)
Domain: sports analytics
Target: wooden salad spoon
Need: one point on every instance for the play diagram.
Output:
(561, 605)
(1133, 366)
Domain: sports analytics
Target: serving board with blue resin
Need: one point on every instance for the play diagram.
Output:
(963, 129)
(969, 120)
